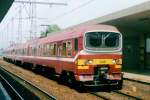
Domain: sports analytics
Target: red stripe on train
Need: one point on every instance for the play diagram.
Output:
(102, 56)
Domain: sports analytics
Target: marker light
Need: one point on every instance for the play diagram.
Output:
(87, 62)
(116, 61)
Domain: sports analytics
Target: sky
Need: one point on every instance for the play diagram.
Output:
(75, 12)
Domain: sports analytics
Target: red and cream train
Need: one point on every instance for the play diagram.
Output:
(90, 54)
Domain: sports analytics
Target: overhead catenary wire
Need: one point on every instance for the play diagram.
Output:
(57, 17)
(41, 3)
(71, 11)
(30, 18)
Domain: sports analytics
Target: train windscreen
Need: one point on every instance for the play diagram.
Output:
(102, 40)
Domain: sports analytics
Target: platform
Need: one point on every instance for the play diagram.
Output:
(138, 77)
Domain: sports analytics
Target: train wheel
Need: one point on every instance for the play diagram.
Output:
(67, 78)
(62, 78)
(120, 84)
(80, 87)
(71, 79)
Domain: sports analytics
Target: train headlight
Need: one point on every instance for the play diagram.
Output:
(87, 62)
(114, 61)
(118, 61)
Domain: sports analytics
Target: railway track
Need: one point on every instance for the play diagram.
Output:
(20, 89)
(138, 81)
(119, 95)
(123, 94)
(11, 92)
(136, 88)
(114, 95)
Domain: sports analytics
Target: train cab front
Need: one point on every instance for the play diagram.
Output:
(100, 62)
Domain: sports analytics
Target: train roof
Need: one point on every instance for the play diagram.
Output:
(75, 32)
(66, 34)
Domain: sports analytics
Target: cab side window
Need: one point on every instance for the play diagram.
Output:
(51, 49)
(64, 49)
(69, 48)
(76, 44)
(55, 49)
(47, 49)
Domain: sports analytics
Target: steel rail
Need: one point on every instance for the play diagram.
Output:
(9, 88)
(119, 92)
(138, 81)
(100, 96)
(115, 92)
(26, 83)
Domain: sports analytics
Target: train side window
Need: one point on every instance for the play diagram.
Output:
(51, 49)
(27, 51)
(59, 49)
(44, 50)
(76, 44)
(22, 51)
(69, 48)
(41, 51)
(54, 50)
(34, 51)
(38, 50)
(47, 49)
(69, 45)
(64, 49)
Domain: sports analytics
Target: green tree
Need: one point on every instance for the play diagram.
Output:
(50, 29)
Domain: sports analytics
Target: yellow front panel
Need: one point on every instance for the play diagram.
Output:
(118, 66)
(102, 61)
(98, 61)
(81, 61)
(83, 67)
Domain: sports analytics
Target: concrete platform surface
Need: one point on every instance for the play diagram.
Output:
(138, 77)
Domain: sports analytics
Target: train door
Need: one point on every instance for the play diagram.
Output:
(69, 48)
(147, 53)
(58, 63)
(131, 53)
(59, 49)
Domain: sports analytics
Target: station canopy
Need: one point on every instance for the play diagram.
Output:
(135, 18)
(4, 7)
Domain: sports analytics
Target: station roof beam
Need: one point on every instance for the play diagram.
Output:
(4, 7)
